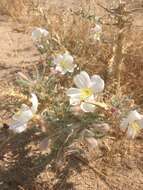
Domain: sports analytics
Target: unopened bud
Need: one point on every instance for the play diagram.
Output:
(101, 127)
(92, 142)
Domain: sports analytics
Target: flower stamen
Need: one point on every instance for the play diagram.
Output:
(135, 126)
(64, 64)
(86, 93)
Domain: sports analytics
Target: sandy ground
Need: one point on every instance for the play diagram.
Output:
(17, 50)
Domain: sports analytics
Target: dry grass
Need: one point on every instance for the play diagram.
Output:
(13, 8)
(73, 30)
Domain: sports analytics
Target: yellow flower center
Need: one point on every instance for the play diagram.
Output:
(97, 35)
(64, 64)
(85, 93)
(135, 126)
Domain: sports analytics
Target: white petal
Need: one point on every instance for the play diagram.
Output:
(82, 80)
(67, 57)
(64, 70)
(96, 32)
(64, 63)
(124, 124)
(25, 116)
(58, 59)
(34, 101)
(131, 133)
(24, 107)
(134, 116)
(60, 69)
(134, 122)
(36, 34)
(70, 67)
(18, 127)
(98, 28)
(87, 107)
(97, 83)
(45, 33)
(73, 92)
(74, 101)
(40, 46)
(140, 122)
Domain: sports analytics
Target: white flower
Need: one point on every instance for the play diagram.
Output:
(132, 123)
(39, 33)
(96, 32)
(64, 63)
(25, 114)
(86, 91)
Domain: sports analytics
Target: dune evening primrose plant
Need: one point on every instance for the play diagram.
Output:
(133, 123)
(96, 32)
(64, 63)
(25, 114)
(86, 91)
(39, 33)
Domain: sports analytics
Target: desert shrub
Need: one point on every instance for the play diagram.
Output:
(69, 97)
